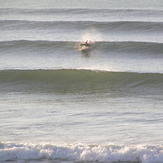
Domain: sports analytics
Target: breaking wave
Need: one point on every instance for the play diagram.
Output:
(82, 153)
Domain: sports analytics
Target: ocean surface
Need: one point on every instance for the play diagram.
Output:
(59, 104)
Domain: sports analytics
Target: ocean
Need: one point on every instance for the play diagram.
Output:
(61, 104)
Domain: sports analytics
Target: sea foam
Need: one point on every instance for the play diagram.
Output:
(80, 152)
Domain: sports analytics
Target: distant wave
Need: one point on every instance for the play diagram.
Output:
(67, 80)
(82, 153)
(102, 46)
(139, 26)
(82, 14)
(79, 10)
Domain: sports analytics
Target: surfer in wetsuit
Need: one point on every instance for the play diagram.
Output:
(86, 43)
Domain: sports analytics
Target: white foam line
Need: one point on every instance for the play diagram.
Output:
(80, 152)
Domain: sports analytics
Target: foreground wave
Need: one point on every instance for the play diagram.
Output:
(80, 152)
(67, 80)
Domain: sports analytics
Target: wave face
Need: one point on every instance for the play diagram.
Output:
(102, 46)
(116, 56)
(80, 81)
(82, 153)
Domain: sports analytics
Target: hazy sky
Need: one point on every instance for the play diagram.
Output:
(156, 4)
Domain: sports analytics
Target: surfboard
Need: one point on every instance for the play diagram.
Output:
(84, 47)
(83, 44)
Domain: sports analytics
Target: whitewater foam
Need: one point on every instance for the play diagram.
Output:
(80, 152)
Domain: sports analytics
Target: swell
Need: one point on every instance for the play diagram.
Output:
(140, 26)
(82, 153)
(81, 14)
(68, 80)
(79, 11)
(102, 46)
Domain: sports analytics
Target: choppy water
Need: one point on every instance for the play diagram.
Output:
(58, 104)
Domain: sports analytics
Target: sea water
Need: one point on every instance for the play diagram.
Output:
(60, 104)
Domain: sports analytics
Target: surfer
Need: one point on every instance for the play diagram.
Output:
(85, 48)
(86, 43)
